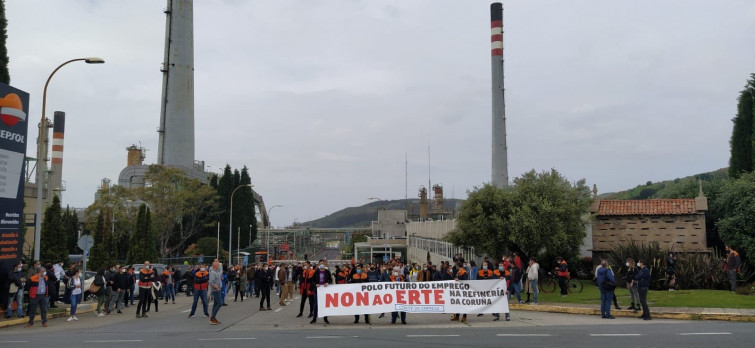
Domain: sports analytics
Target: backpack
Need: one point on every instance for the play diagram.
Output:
(70, 284)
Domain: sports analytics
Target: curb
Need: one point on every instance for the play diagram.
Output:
(83, 308)
(631, 314)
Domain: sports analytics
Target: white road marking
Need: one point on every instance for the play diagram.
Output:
(227, 339)
(523, 335)
(14, 341)
(704, 333)
(278, 310)
(433, 335)
(317, 337)
(296, 298)
(112, 341)
(186, 311)
(613, 335)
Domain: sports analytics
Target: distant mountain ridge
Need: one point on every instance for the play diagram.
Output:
(667, 189)
(364, 215)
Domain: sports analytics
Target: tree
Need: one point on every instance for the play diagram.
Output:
(116, 201)
(737, 224)
(143, 242)
(4, 72)
(181, 207)
(208, 246)
(742, 140)
(102, 253)
(52, 241)
(541, 213)
(71, 229)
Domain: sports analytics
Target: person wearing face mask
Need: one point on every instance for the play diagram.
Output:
(322, 278)
(532, 277)
(397, 278)
(18, 280)
(75, 283)
(373, 275)
(120, 281)
(38, 296)
(200, 285)
(605, 276)
(643, 283)
(146, 277)
(461, 274)
(265, 278)
(473, 270)
(285, 278)
(358, 277)
(502, 273)
(306, 290)
(632, 284)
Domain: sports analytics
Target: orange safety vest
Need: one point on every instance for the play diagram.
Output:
(563, 273)
(484, 274)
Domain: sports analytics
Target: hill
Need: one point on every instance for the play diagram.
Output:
(364, 215)
(686, 187)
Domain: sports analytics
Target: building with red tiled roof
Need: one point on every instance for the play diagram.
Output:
(677, 224)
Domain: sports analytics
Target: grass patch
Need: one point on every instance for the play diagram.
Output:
(681, 298)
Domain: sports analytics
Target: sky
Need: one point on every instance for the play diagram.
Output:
(327, 101)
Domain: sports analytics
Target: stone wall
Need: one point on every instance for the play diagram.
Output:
(676, 232)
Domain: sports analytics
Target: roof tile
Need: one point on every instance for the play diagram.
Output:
(648, 207)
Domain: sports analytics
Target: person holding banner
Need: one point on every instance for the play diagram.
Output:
(306, 290)
(485, 273)
(360, 277)
(397, 278)
(501, 273)
(322, 279)
(461, 274)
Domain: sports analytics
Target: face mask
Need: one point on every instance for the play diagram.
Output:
(372, 269)
(123, 271)
(627, 264)
(359, 271)
(147, 267)
(500, 268)
(112, 270)
(201, 269)
(484, 267)
(424, 269)
(322, 266)
(395, 274)
(638, 264)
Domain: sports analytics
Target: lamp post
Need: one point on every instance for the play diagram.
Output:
(267, 239)
(230, 223)
(42, 150)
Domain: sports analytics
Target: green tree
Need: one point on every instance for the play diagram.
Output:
(4, 73)
(102, 253)
(540, 213)
(117, 201)
(244, 199)
(208, 246)
(143, 242)
(742, 140)
(71, 230)
(52, 241)
(737, 204)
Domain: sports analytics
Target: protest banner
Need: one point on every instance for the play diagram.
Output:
(466, 297)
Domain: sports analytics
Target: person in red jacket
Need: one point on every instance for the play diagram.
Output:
(562, 270)
(201, 282)
(38, 293)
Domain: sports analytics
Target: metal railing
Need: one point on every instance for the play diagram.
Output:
(439, 247)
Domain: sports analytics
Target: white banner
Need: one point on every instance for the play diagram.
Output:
(464, 297)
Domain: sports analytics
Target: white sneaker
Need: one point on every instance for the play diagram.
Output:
(69, 319)
(75, 318)
(101, 315)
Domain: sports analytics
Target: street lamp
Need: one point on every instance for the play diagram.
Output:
(230, 223)
(267, 239)
(42, 149)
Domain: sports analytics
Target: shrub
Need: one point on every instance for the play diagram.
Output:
(744, 290)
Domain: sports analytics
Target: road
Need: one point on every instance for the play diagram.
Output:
(243, 325)
(329, 253)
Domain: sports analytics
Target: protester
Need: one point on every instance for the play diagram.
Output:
(176, 281)
(51, 285)
(671, 277)
(146, 278)
(605, 276)
(285, 277)
(216, 280)
(75, 283)
(200, 279)
(38, 296)
(109, 274)
(516, 282)
(60, 276)
(532, 278)
(357, 278)
(132, 281)
(306, 290)
(167, 285)
(16, 291)
(101, 282)
(154, 291)
(120, 284)
(322, 278)
(632, 284)
(643, 284)
(461, 274)
(501, 273)
(265, 280)
(189, 280)
(240, 285)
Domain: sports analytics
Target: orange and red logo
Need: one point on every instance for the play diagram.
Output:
(11, 109)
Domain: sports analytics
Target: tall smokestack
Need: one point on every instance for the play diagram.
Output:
(500, 155)
(176, 144)
(58, 134)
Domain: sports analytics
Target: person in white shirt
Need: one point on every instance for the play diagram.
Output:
(532, 277)
(75, 284)
(277, 282)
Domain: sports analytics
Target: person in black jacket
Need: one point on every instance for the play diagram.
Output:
(53, 280)
(265, 279)
(632, 284)
(643, 283)
(189, 280)
(322, 278)
(17, 278)
(120, 284)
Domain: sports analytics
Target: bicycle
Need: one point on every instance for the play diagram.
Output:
(550, 283)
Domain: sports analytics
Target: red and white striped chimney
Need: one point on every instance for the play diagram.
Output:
(500, 172)
(58, 132)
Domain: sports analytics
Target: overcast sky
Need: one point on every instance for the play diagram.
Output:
(322, 99)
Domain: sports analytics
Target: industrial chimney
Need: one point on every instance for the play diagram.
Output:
(176, 144)
(56, 175)
(500, 155)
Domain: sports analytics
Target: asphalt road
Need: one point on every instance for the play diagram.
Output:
(329, 253)
(244, 326)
